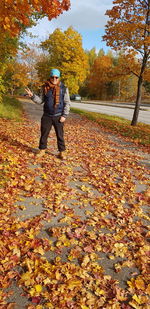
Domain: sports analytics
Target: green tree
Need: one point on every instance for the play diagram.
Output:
(92, 55)
(101, 53)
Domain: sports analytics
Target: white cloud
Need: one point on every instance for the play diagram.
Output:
(83, 15)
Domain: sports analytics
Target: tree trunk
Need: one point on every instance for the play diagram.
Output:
(137, 103)
(139, 90)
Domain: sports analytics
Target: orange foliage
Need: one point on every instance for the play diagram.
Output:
(15, 14)
(128, 25)
(101, 224)
(99, 75)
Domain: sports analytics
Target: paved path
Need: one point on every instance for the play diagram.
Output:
(86, 194)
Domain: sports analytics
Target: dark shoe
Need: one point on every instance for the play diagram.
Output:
(61, 155)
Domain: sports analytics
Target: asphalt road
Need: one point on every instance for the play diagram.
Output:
(127, 113)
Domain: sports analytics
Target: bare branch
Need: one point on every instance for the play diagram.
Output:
(134, 45)
(143, 1)
(135, 74)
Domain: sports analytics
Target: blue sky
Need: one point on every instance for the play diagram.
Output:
(86, 16)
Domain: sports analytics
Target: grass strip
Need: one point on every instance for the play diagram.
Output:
(11, 108)
(139, 133)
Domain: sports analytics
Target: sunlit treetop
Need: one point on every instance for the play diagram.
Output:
(129, 25)
(15, 14)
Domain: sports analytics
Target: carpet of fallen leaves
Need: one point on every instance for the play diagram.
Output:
(102, 216)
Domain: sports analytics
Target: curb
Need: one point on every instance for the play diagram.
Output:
(114, 105)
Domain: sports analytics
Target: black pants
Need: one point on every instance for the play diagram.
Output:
(46, 124)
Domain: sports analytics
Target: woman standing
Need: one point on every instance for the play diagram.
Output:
(55, 97)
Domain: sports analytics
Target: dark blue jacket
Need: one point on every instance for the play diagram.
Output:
(48, 101)
(49, 108)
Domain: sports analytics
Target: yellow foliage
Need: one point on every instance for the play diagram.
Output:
(139, 283)
(67, 54)
(38, 288)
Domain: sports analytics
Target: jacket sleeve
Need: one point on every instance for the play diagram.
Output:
(38, 99)
(66, 104)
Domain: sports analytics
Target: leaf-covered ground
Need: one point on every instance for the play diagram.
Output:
(74, 233)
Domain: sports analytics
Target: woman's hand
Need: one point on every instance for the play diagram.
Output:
(62, 119)
(29, 92)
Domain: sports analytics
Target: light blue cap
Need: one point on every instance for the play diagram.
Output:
(55, 72)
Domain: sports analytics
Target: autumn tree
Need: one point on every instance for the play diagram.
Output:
(92, 55)
(16, 14)
(128, 28)
(29, 56)
(15, 17)
(67, 54)
(109, 77)
(8, 50)
(101, 52)
(16, 77)
(43, 67)
(125, 79)
(99, 77)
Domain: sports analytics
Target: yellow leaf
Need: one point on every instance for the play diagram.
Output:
(111, 257)
(26, 276)
(137, 299)
(17, 252)
(88, 212)
(49, 306)
(70, 257)
(58, 259)
(32, 292)
(134, 305)
(58, 275)
(44, 176)
(93, 256)
(46, 281)
(74, 283)
(85, 189)
(86, 260)
(39, 250)
(39, 307)
(7, 20)
(139, 283)
(131, 284)
(38, 288)
(99, 292)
